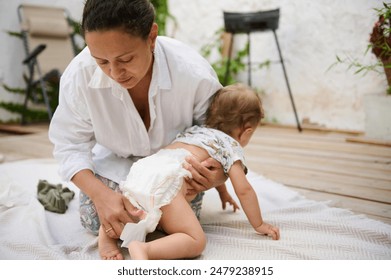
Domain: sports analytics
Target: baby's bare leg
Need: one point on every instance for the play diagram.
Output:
(108, 248)
(186, 238)
(138, 250)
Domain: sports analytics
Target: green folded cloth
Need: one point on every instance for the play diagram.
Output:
(54, 198)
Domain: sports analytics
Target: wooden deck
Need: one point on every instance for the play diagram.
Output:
(322, 165)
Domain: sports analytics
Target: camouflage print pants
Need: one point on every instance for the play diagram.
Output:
(89, 217)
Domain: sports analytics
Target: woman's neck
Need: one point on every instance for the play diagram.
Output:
(139, 95)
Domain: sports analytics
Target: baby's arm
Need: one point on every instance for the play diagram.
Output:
(249, 201)
(225, 197)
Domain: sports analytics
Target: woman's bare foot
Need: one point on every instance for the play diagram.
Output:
(138, 250)
(108, 248)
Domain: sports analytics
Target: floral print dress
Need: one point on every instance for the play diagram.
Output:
(219, 145)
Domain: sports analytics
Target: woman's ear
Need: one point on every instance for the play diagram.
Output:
(153, 35)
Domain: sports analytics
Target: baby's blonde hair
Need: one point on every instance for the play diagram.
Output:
(234, 106)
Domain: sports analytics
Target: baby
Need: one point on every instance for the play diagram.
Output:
(157, 185)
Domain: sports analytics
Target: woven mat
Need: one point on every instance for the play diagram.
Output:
(309, 229)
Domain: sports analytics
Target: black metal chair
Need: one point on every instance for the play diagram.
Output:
(49, 46)
(260, 21)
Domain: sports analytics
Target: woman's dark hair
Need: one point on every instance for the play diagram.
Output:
(135, 17)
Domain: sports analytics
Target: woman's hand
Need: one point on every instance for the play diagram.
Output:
(115, 211)
(206, 174)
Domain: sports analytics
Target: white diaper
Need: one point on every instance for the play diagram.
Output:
(152, 183)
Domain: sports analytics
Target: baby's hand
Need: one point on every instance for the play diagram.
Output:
(269, 230)
(225, 198)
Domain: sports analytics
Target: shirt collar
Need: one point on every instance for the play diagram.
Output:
(100, 79)
(164, 78)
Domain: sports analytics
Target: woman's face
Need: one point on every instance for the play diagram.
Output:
(123, 57)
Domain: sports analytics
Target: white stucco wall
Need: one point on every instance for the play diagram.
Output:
(311, 34)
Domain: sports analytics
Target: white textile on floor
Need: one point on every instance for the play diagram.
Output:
(309, 229)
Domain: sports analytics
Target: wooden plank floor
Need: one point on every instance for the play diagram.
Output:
(321, 165)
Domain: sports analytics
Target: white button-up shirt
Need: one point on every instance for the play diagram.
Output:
(96, 125)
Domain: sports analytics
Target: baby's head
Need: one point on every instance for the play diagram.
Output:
(234, 107)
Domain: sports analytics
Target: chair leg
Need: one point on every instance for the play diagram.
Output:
(29, 89)
(46, 98)
(44, 92)
(287, 82)
(26, 98)
(229, 60)
(249, 60)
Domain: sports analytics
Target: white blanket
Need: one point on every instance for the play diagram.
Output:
(309, 229)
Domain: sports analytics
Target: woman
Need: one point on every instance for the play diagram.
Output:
(124, 97)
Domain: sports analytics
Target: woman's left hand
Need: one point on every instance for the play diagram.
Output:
(206, 174)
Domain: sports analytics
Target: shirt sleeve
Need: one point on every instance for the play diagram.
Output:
(71, 131)
(204, 92)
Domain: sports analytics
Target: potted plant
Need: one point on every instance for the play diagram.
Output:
(380, 40)
(380, 46)
(377, 107)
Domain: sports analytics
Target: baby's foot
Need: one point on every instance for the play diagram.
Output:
(108, 248)
(138, 250)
